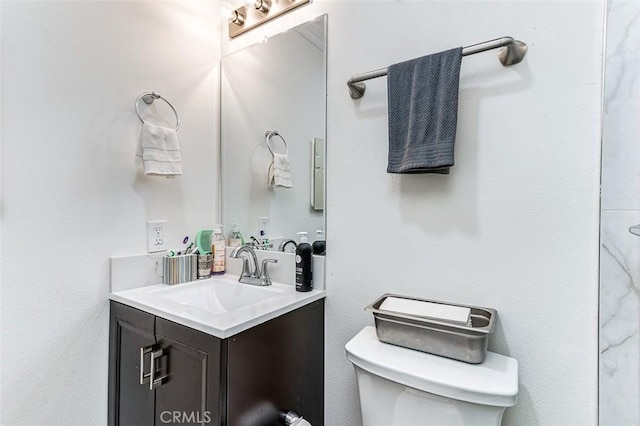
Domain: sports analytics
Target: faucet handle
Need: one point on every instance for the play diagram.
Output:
(266, 279)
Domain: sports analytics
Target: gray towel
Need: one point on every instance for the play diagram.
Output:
(423, 112)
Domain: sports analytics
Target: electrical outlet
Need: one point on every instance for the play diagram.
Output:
(156, 235)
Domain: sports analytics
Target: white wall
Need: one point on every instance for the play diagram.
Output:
(71, 72)
(515, 225)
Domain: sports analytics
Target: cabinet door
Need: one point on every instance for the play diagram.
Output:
(276, 367)
(192, 391)
(130, 330)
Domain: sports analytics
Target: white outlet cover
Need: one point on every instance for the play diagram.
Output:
(156, 236)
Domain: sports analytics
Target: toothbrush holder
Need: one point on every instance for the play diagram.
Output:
(179, 269)
(205, 263)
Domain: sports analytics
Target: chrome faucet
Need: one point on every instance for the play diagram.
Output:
(251, 274)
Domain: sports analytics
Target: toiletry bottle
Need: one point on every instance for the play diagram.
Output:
(217, 248)
(235, 237)
(304, 264)
(319, 246)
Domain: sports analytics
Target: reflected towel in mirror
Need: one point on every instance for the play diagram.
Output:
(279, 172)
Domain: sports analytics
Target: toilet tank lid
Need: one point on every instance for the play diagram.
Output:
(494, 382)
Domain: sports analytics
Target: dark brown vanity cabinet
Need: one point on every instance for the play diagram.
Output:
(161, 372)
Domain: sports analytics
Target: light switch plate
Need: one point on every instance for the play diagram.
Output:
(156, 235)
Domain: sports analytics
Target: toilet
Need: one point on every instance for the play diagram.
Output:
(404, 387)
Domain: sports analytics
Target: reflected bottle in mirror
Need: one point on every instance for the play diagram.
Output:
(319, 246)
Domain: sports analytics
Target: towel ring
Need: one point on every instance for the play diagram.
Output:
(269, 134)
(148, 98)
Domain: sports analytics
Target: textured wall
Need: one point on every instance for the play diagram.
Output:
(515, 225)
(71, 72)
(620, 253)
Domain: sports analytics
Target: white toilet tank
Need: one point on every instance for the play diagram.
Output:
(403, 387)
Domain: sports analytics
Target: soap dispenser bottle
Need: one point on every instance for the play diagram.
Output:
(319, 246)
(304, 264)
(235, 237)
(217, 248)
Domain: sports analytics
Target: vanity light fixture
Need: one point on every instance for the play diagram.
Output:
(233, 12)
(245, 16)
(262, 6)
(237, 18)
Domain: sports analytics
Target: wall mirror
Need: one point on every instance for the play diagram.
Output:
(275, 86)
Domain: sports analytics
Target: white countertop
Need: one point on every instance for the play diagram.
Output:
(219, 306)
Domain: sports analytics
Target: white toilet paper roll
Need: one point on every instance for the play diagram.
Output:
(301, 422)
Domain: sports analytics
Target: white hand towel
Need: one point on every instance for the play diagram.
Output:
(279, 172)
(159, 151)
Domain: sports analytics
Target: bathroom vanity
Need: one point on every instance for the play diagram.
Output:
(216, 351)
(187, 354)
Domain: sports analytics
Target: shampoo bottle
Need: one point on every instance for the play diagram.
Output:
(217, 248)
(319, 246)
(304, 264)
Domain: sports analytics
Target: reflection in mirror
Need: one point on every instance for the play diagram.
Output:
(317, 174)
(273, 103)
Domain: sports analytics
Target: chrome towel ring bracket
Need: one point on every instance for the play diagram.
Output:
(148, 98)
(271, 133)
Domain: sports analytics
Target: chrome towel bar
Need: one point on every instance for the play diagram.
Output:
(512, 52)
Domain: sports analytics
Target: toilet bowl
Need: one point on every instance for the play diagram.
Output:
(404, 387)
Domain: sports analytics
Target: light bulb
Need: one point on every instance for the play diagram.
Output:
(228, 7)
(227, 12)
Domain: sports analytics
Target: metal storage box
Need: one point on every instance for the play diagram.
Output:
(462, 343)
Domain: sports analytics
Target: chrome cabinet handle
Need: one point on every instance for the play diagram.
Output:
(635, 230)
(153, 382)
(144, 378)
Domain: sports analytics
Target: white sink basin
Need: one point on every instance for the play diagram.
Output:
(219, 296)
(218, 306)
